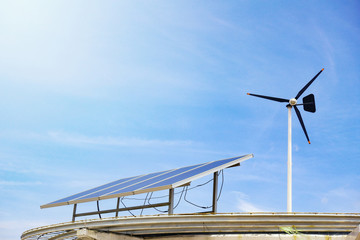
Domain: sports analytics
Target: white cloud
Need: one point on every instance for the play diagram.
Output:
(342, 200)
(9, 227)
(15, 183)
(83, 140)
(244, 205)
(70, 138)
(296, 147)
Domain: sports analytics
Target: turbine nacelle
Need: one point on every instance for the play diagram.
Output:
(292, 102)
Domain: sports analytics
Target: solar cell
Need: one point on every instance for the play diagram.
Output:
(128, 184)
(190, 173)
(91, 190)
(149, 182)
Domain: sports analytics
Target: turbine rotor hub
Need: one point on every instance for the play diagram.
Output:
(292, 101)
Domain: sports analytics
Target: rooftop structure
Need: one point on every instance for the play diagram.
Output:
(146, 183)
(229, 226)
(190, 226)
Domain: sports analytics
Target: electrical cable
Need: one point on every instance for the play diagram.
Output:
(155, 207)
(185, 189)
(140, 199)
(200, 185)
(98, 208)
(121, 199)
(180, 197)
(144, 204)
(222, 184)
(194, 203)
(205, 207)
(164, 196)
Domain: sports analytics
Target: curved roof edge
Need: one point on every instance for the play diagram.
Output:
(221, 223)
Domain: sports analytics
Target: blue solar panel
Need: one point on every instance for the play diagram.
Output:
(149, 182)
(132, 182)
(141, 185)
(91, 190)
(191, 173)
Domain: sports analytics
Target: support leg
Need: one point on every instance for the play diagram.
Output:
(74, 213)
(171, 201)
(215, 193)
(117, 207)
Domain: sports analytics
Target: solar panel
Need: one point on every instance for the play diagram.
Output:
(149, 182)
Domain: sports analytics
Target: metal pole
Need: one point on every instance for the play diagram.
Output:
(171, 201)
(289, 175)
(74, 212)
(117, 207)
(215, 193)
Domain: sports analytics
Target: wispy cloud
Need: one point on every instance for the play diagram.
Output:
(344, 199)
(8, 227)
(70, 138)
(244, 205)
(15, 183)
(84, 140)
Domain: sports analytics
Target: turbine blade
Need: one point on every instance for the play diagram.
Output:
(308, 84)
(301, 122)
(270, 98)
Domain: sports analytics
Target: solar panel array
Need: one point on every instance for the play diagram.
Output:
(149, 182)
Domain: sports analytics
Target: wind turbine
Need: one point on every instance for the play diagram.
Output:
(309, 106)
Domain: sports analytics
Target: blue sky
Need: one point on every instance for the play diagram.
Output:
(94, 91)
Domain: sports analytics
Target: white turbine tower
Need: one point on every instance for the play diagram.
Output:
(309, 106)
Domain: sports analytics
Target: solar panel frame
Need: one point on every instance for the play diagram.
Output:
(136, 181)
(55, 203)
(162, 184)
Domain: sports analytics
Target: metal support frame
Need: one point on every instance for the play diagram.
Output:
(117, 207)
(170, 204)
(74, 213)
(215, 193)
(171, 201)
